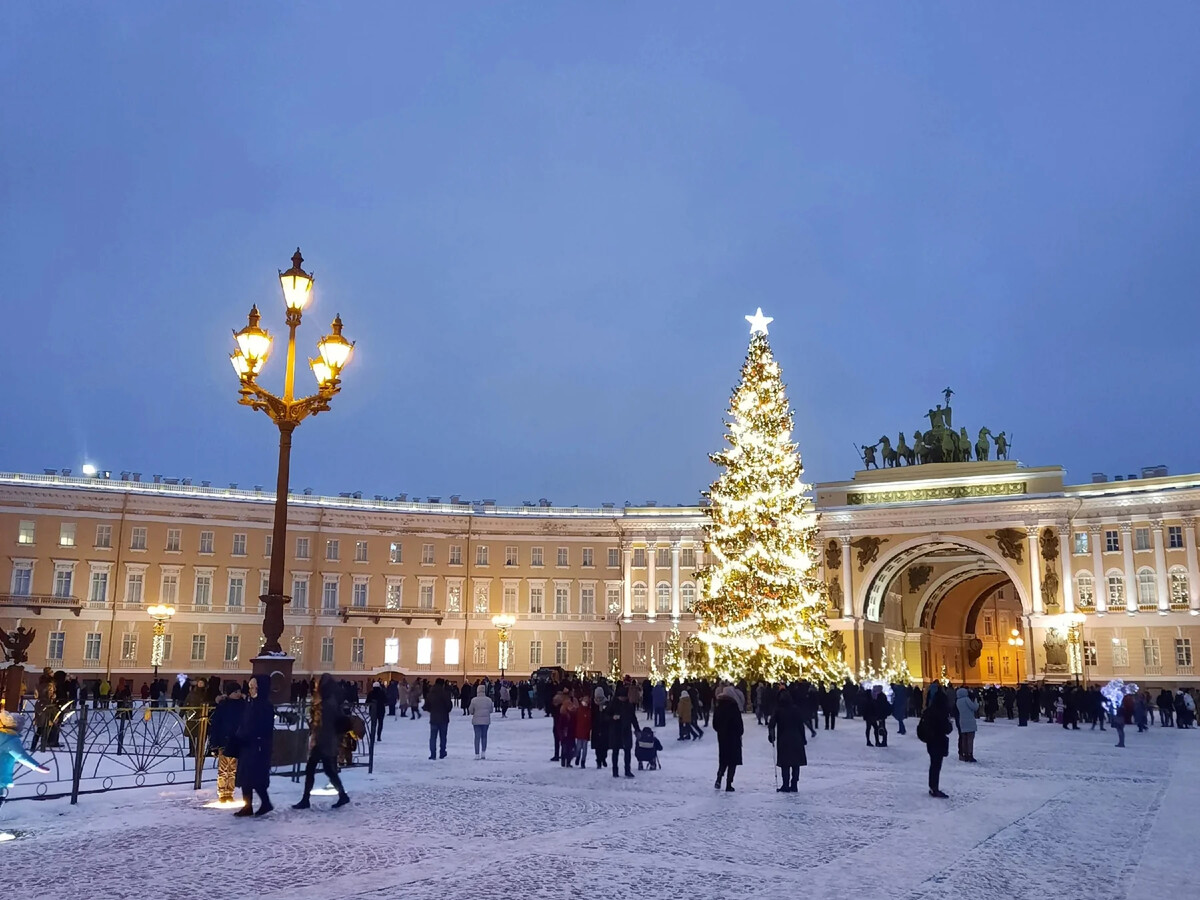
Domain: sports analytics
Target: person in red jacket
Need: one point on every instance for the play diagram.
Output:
(583, 730)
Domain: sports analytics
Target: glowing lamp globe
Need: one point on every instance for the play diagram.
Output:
(297, 284)
(321, 371)
(334, 349)
(239, 364)
(253, 342)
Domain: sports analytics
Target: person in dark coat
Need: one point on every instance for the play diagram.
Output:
(437, 704)
(622, 726)
(324, 741)
(830, 700)
(376, 704)
(600, 735)
(393, 695)
(1025, 705)
(934, 729)
(900, 704)
(255, 736)
(785, 729)
(727, 723)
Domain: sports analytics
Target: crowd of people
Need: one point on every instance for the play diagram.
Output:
(598, 717)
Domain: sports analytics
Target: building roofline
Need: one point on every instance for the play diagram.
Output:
(463, 508)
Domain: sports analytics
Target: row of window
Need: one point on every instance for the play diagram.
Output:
(507, 657)
(1147, 589)
(92, 641)
(235, 598)
(1151, 653)
(333, 549)
(1141, 540)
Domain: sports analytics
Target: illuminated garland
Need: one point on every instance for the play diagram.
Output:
(761, 613)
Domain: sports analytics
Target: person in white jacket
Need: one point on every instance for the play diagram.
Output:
(481, 710)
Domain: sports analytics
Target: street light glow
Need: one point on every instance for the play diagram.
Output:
(297, 284)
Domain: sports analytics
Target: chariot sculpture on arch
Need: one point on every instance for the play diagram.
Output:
(939, 443)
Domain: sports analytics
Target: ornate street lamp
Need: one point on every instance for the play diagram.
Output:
(1075, 642)
(503, 622)
(161, 614)
(253, 348)
(1017, 642)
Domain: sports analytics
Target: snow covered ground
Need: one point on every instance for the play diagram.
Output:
(1045, 813)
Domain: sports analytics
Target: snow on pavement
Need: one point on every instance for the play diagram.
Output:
(1045, 813)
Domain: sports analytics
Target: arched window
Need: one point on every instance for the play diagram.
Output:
(1085, 586)
(687, 594)
(639, 597)
(1147, 589)
(662, 597)
(1178, 582)
(1116, 591)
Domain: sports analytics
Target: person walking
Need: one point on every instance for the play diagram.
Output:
(393, 696)
(437, 704)
(934, 729)
(785, 729)
(622, 726)
(727, 723)
(324, 741)
(376, 704)
(414, 699)
(481, 710)
(255, 736)
(900, 705)
(660, 704)
(583, 729)
(967, 724)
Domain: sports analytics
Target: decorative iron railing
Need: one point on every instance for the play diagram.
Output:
(91, 749)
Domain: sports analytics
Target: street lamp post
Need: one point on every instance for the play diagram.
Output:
(253, 348)
(1017, 643)
(503, 622)
(161, 615)
(1075, 643)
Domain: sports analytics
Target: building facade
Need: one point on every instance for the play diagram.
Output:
(987, 572)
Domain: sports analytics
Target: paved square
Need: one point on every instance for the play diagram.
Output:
(1045, 813)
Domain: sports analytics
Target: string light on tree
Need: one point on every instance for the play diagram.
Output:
(761, 613)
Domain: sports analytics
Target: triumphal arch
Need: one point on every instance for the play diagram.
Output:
(987, 571)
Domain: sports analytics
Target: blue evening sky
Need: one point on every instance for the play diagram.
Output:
(543, 223)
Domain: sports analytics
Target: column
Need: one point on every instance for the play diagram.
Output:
(847, 591)
(1095, 535)
(1064, 552)
(1130, 570)
(1160, 568)
(675, 580)
(1189, 537)
(652, 579)
(627, 586)
(1035, 569)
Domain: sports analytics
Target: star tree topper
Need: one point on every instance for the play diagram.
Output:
(759, 322)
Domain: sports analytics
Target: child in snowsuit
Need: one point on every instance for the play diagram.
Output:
(647, 749)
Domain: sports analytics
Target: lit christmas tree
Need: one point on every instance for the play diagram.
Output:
(762, 609)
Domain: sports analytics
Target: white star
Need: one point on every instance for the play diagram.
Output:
(759, 322)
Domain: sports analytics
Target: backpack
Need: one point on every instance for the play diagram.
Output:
(922, 731)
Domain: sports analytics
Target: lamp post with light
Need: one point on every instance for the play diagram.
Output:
(161, 614)
(1075, 643)
(288, 411)
(503, 622)
(1017, 642)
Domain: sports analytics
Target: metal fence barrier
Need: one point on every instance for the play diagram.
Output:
(91, 749)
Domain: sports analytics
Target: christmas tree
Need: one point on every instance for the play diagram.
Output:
(761, 613)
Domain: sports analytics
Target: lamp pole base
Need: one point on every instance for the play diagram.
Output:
(14, 687)
(279, 670)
